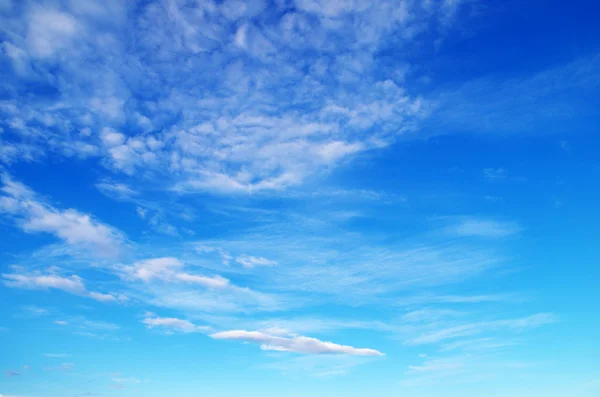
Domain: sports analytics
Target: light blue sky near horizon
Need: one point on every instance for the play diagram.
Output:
(299, 198)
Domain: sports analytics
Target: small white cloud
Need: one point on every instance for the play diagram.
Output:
(115, 190)
(142, 212)
(56, 355)
(494, 174)
(240, 36)
(111, 138)
(174, 324)
(211, 282)
(149, 269)
(252, 261)
(37, 280)
(294, 343)
(169, 269)
(102, 297)
(72, 284)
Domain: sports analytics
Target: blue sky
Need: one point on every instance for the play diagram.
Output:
(299, 198)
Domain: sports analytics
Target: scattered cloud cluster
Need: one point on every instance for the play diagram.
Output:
(217, 130)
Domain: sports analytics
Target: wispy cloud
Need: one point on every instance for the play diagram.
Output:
(35, 311)
(470, 329)
(319, 366)
(455, 299)
(494, 174)
(253, 261)
(33, 215)
(169, 269)
(478, 227)
(56, 355)
(559, 95)
(52, 279)
(61, 367)
(96, 329)
(164, 282)
(116, 190)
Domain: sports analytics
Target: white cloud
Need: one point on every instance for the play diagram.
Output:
(112, 138)
(293, 343)
(436, 365)
(169, 269)
(102, 297)
(56, 355)
(487, 228)
(211, 282)
(33, 215)
(252, 261)
(49, 31)
(72, 284)
(115, 190)
(333, 151)
(51, 280)
(153, 268)
(142, 212)
(174, 324)
(494, 174)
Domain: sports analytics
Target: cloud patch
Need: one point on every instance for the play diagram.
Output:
(293, 343)
(173, 324)
(249, 262)
(169, 269)
(33, 215)
(72, 284)
(484, 228)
